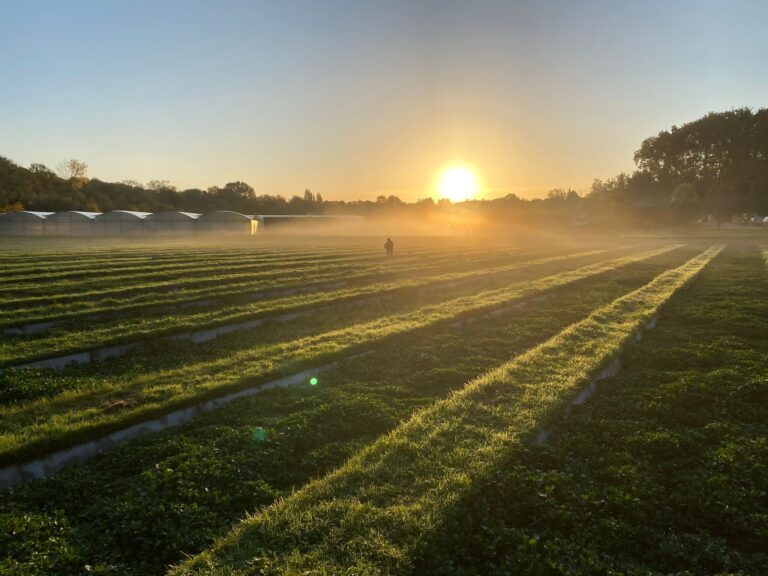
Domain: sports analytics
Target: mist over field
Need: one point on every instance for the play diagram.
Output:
(337, 288)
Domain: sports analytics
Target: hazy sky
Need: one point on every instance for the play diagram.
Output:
(359, 98)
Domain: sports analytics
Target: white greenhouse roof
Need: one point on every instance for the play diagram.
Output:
(41, 215)
(191, 215)
(141, 215)
(90, 215)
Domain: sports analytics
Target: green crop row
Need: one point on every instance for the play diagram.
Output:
(45, 424)
(183, 266)
(57, 282)
(60, 341)
(141, 302)
(369, 516)
(662, 472)
(170, 493)
(312, 268)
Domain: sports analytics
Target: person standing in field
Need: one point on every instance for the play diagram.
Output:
(389, 246)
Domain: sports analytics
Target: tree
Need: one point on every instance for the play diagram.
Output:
(72, 168)
(75, 171)
(156, 185)
(557, 194)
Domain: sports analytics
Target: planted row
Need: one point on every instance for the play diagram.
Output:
(171, 493)
(661, 472)
(370, 515)
(109, 332)
(42, 425)
(137, 299)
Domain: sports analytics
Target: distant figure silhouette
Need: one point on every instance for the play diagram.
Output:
(389, 246)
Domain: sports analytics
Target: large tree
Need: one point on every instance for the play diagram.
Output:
(724, 156)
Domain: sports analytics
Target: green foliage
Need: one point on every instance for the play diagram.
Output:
(662, 472)
(148, 502)
(41, 425)
(369, 515)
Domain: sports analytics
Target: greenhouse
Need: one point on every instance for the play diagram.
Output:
(298, 223)
(23, 223)
(226, 222)
(171, 223)
(120, 223)
(72, 223)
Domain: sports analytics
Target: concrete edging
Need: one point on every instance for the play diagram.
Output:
(15, 474)
(613, 368)
(47, 465)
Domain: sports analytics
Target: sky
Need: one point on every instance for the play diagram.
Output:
(358, 98)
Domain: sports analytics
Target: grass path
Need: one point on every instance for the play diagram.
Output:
(368, 517)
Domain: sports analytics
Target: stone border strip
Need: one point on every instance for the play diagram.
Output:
(612, 369)
(204, 335)
(15, 474)
(47, 465)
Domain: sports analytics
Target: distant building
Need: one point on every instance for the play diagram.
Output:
(72, 223)
(303, 222)
(120, 223)
(171, 223)
(226, 222)
(24, 223)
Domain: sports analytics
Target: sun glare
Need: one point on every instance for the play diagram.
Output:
(457, 184)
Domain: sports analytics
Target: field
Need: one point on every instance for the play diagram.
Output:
(591, 406)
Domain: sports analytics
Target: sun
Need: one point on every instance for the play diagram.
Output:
(457, 184)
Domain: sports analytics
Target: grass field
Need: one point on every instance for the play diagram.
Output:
(414, 450)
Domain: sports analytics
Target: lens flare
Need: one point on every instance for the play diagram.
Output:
(313, 381)
(259, 435)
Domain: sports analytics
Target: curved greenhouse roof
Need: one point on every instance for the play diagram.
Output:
(72, 223)
(74, 214)
(227, 222)
(24, 223)
(171, 222)
(173, 215)
(126, 214)
(225, 215)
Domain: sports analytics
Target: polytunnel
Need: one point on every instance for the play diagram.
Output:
(226, 222)
(23, 223)
(171, 223)
(120, 223)
(73, 223)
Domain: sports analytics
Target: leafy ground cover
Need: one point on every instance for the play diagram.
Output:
(105, 332)
(145, 504)
(43, 309)
(369, 515)
(45, 424)
(181, 287)
(663, 471)
(193, 271)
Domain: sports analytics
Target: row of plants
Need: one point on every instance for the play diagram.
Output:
(216, 279)
(191, 264)
(184, 267)
(45, 309)
(370, 514)
(150, 388)
(84, 254)
(78, 336)
(84, 258)
(149, 502)
(663, 471)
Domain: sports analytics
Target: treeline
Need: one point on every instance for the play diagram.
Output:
(40, 188)
(716, 166)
